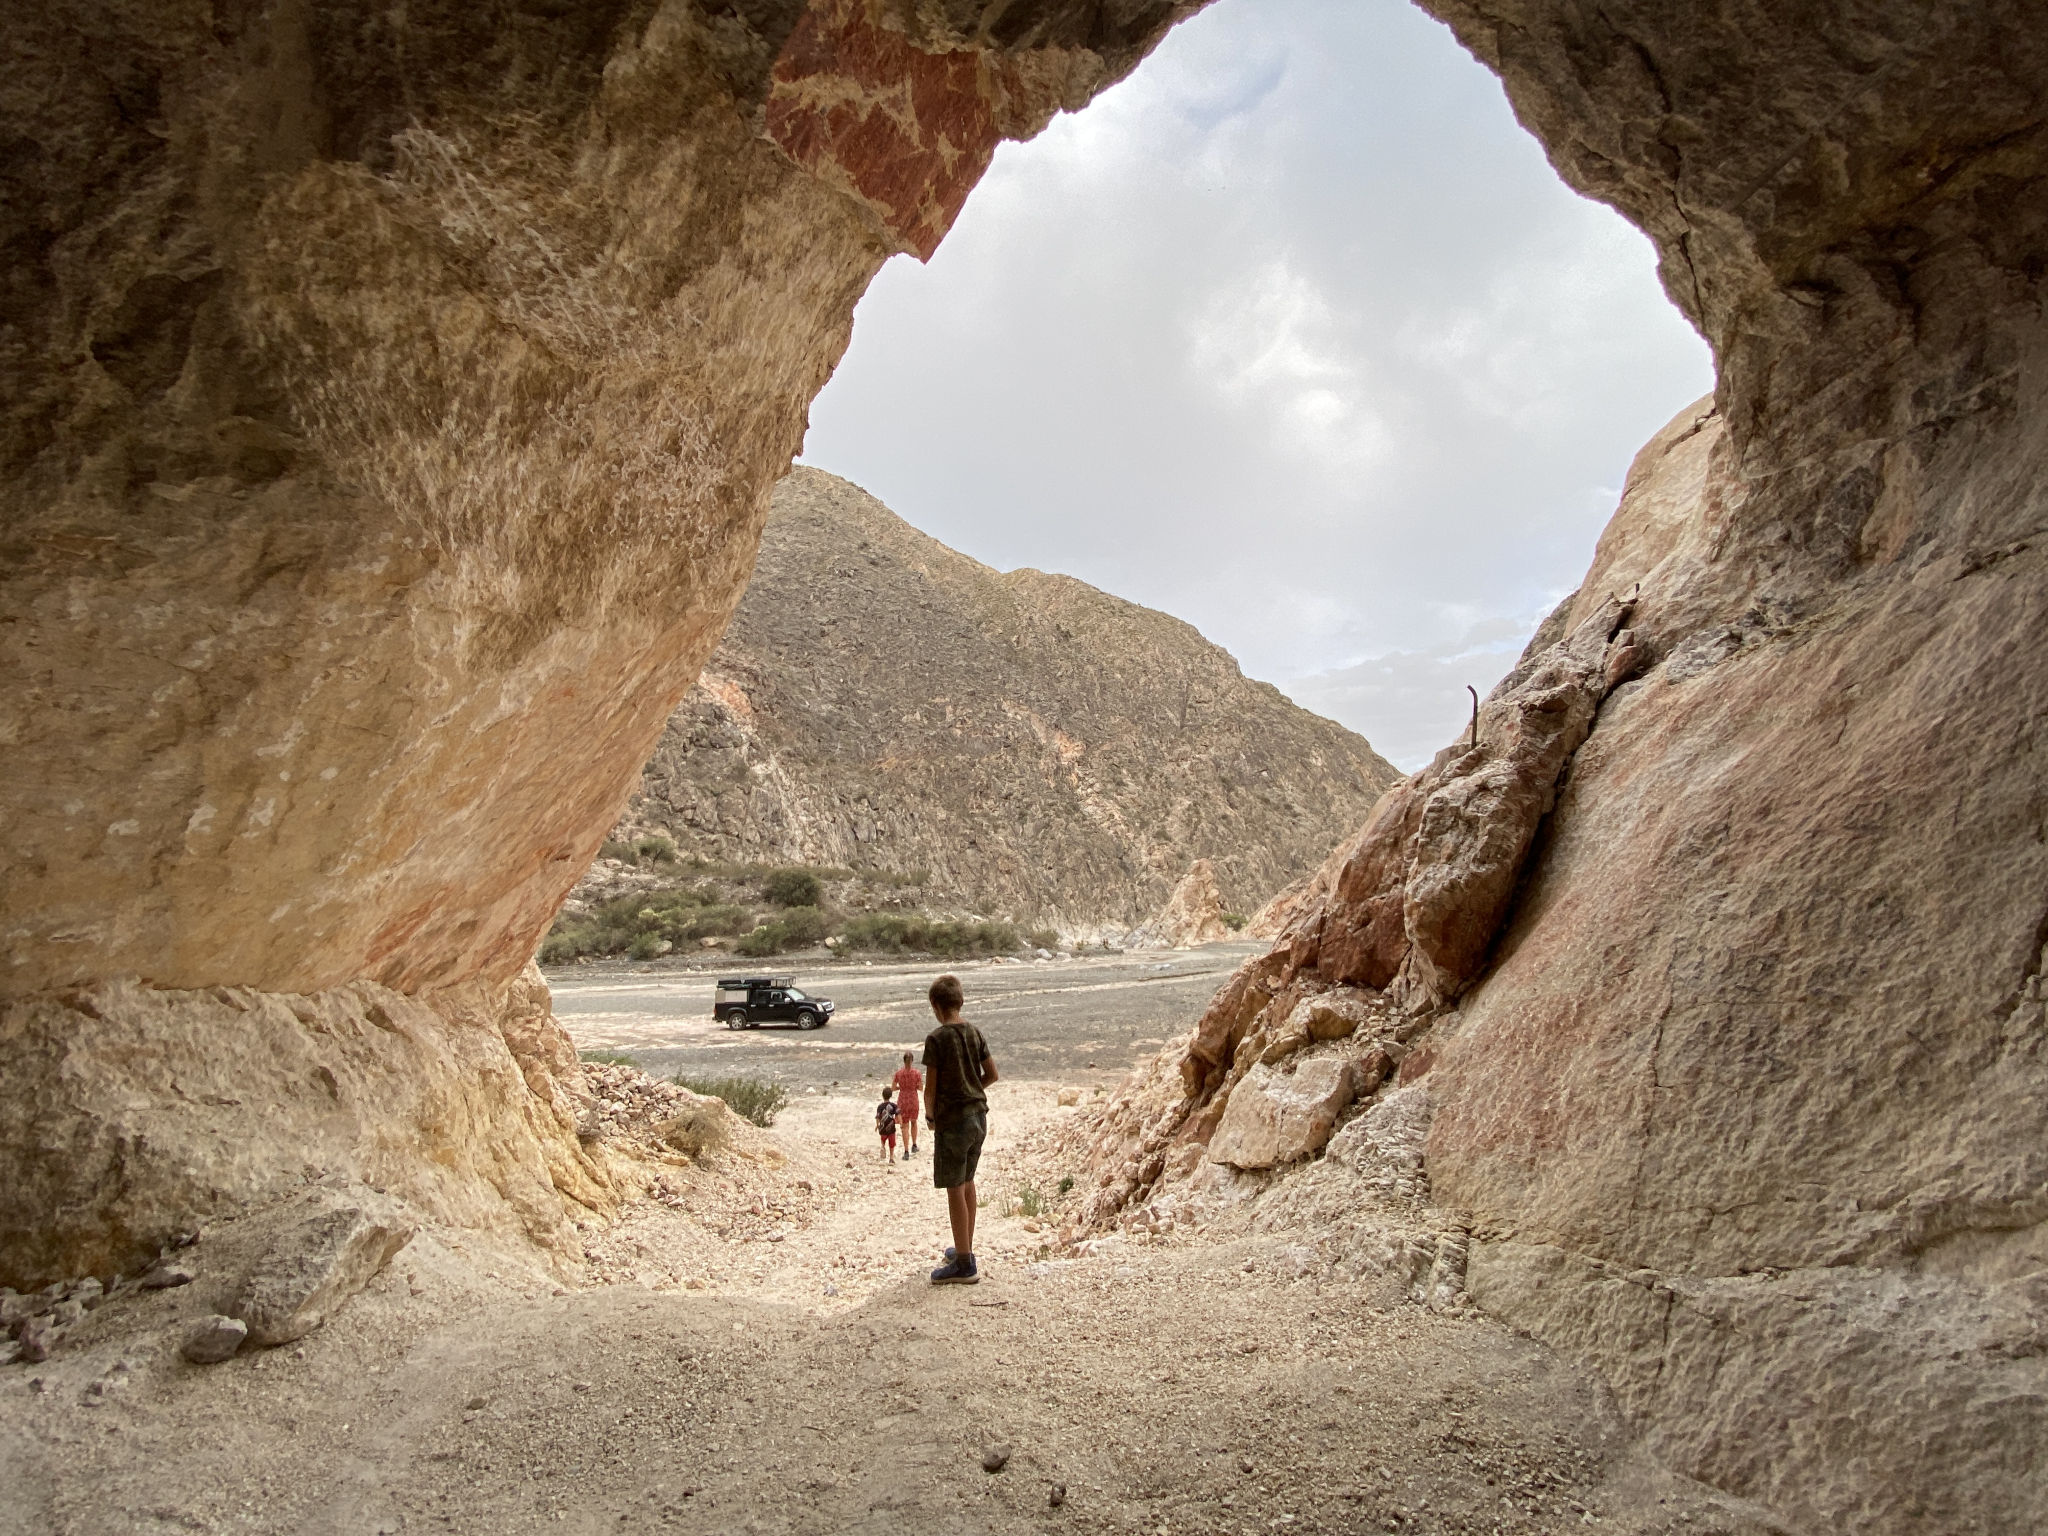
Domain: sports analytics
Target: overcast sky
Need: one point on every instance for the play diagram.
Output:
(1294, 335)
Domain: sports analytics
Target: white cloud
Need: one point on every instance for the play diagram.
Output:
(1295, 335)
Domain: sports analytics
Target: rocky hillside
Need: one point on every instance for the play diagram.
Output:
(1027, 744)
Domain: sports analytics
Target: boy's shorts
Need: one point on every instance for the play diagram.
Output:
(956, 1149)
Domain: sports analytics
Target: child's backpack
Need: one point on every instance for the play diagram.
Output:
(885, 1117)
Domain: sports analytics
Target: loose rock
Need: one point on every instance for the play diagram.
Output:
(995, 1458)
(165, 1276)
(314, 1267)
(37, 1338)
(214, 1339)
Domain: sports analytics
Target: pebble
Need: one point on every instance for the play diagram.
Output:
(165, 1276)
(995, 1458)
(1058, 1496)
(474, 1404)
(214, 1339)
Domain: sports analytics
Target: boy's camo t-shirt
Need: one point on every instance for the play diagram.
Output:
(953, 1054)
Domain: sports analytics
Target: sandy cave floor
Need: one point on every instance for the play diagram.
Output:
(764, 1355)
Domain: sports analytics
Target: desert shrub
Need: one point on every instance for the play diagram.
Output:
(1043, 938)
(646, 946)
(606, 1059)
(680, 915)
(1066, 1182)
(914, 933)
(793, 888)
(1234, 920)
(1030, 1202)
(751, 1098)
(794, 929)
(614, 849)
(654, 846)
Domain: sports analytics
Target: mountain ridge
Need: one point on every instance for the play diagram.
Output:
(1033, 744)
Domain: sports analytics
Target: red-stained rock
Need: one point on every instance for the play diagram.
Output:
(906, 132)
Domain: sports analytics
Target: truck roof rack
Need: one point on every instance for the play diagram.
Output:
(757, 981)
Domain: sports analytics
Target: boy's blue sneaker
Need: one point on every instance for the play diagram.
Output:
(957, 1270)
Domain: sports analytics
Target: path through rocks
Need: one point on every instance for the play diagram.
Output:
(813, 1382)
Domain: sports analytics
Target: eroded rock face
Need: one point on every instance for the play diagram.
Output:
(393, 403)
(133, 1114)
(1193, 913)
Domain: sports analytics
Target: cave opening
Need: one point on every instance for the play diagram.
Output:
(1300, 302)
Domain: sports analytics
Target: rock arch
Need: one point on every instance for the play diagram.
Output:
(391, 407)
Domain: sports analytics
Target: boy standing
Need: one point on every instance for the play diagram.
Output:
(959, 1070)
(885, 1124)
(909, 1088)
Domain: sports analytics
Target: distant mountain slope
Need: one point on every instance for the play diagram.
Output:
(1040, 748)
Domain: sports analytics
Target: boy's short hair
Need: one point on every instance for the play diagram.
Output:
(946, 995)
(887, 1090)
(906, 1058)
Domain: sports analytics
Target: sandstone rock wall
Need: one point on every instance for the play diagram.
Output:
(392, 403)
(1743, 1091)
(1740, 1090)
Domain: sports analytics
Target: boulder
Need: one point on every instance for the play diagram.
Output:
(314, 1266)
(1280, 1116)
(214, 1339)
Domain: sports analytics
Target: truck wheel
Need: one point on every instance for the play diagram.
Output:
(736, 1018)
(807, 1020)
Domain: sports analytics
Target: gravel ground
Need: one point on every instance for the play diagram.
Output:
(757, 1350)
(1165, 1387)
(1085, 1020)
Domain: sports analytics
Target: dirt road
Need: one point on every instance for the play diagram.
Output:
(1083, 1020)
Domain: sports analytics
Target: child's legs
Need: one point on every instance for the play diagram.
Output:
(960, 1213)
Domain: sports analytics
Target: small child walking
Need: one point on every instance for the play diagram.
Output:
(909, 1086)
(885, 1123)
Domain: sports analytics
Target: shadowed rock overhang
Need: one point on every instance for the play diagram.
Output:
(392, 400)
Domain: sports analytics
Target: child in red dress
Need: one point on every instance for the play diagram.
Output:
(909, 1085)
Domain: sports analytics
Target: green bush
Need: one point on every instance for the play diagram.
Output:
(614, 849)
(1066, 1183)
(751, 1098)
(1234, 920)
(794, 929)
(1030, 1202)
(1043, 938)
(913, 933)
(793, 888)
(656, 847)
(646, 947)
(681, 915)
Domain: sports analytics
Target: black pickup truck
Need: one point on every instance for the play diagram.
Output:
(747, 1002)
